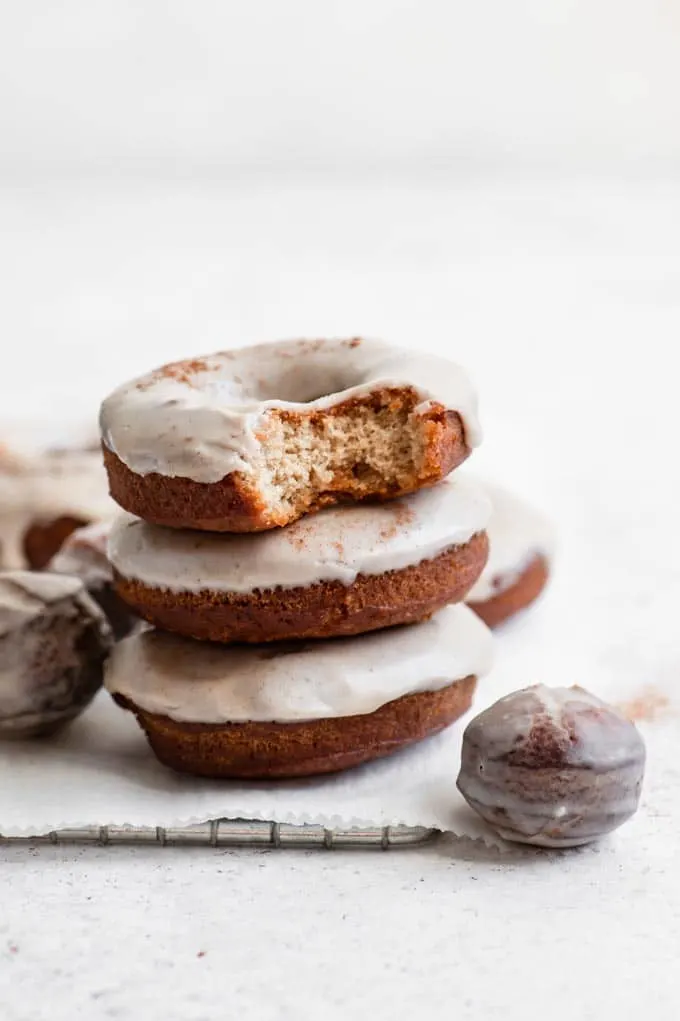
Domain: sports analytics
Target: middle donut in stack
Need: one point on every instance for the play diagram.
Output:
(253, 440)
(343, 571)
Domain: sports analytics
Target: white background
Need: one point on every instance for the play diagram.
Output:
(177, 88)
(494, 180)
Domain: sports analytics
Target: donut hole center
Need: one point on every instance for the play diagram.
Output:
(297, 374)
(300, 383)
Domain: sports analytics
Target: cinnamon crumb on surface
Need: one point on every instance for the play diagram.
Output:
(649, 705)
(296, 541)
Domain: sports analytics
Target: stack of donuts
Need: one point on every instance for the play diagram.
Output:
(298, 537)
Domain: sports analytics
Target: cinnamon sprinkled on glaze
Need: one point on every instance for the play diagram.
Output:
(403, 516)
(184, 372)
(180, 372)
(334, 545)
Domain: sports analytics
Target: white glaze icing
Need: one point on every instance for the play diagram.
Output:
(39, 487)
(84, 555)
(333, 545)
(594, 734)
(201, 682)
(203, 424)
(518, 533)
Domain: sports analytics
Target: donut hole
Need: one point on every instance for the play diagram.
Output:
(303, 384)
(55, 663)
(303, 374)
(306, 371)
(293, 388)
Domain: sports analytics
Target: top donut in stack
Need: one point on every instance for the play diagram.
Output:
(259, 440)
(247, 440)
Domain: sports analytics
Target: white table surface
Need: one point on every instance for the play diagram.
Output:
(564, 300)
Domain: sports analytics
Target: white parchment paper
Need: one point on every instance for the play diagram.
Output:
(101, 771)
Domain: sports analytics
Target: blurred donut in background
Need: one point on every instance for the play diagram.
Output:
(521, 552)
(44, 496)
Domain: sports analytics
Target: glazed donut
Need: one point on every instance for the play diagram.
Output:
(44, 496)
(245, 440)
(521, 550)
(555, 767)
(83, 555)
(298, 709)
(343, 571)
(53, 643)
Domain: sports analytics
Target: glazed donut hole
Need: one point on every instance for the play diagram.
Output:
(553, 767)
(54, 641)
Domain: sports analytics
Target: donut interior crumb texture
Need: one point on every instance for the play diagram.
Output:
(377, 446)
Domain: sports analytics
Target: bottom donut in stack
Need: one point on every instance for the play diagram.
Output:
(298, 708)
